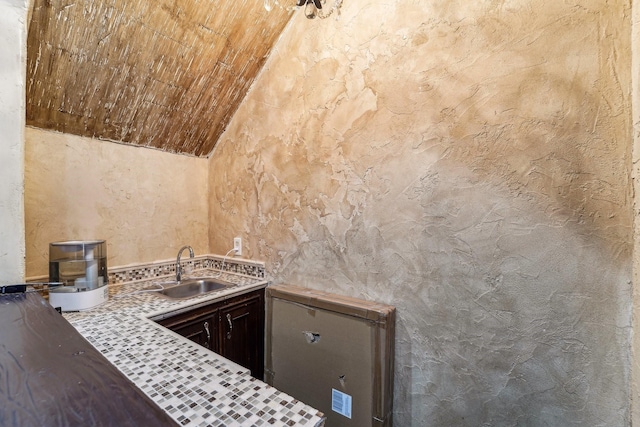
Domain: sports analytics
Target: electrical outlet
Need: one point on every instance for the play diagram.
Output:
(237, 245)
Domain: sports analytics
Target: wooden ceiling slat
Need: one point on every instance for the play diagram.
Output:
(156, 73)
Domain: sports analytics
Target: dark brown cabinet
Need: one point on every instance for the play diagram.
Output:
(232, 327)
(200, 331)
(241, 328)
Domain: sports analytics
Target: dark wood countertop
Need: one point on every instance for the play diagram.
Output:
(51, 376)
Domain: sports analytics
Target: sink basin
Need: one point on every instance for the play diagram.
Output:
(194, 287)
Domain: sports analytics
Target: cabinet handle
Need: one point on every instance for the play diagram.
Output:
(206, 328)
(230, 326)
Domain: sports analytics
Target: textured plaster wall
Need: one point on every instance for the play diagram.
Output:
(470, 163)
(635, 93)
(13, 36)
(145, 203)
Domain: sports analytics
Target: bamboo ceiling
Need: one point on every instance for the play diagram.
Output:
(167, 74)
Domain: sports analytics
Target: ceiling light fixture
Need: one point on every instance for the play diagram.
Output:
(312, 8)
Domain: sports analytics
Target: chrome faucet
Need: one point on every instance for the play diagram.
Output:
(178, 266)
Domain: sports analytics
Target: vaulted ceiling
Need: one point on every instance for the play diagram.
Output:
(167, 74)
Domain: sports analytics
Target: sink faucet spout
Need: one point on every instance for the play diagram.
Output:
(178, 266)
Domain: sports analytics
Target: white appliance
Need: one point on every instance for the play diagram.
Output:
(80, 269)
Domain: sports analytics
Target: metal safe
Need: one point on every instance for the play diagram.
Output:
(332, 352)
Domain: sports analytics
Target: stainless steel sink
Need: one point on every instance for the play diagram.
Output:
(194, 287)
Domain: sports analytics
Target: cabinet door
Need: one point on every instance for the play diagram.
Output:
(201, 331)
(241, 336)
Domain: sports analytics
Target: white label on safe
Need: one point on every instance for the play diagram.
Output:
(341, 403)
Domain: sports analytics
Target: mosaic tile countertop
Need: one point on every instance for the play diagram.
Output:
(195, 386)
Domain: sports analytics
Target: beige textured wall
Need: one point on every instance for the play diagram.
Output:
(635, 92)
(145, 203)
(468, 162)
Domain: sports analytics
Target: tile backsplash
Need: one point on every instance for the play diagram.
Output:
(133, 273)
